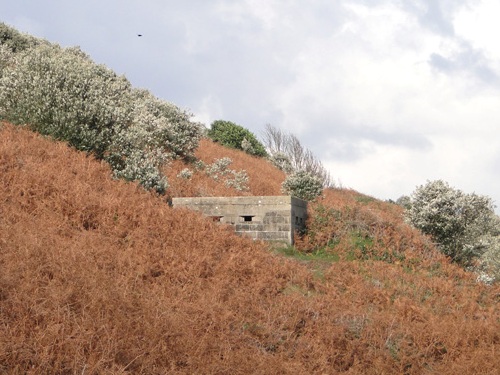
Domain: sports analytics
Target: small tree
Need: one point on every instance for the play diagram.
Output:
(232, 135)
(457, 221)
(286, 151)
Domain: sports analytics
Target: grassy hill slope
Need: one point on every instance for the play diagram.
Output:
(100, 277)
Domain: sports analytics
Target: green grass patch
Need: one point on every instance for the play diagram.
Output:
(322, 254)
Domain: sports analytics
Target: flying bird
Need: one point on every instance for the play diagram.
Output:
(139, 34)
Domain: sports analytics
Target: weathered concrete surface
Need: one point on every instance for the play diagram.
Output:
(269, 218)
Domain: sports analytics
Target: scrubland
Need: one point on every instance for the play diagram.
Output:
(98, 276)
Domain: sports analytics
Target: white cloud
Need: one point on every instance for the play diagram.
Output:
(368, 101)
(209, 110)
(479, 25)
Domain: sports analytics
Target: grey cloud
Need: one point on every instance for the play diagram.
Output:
(435, 15)
(441, 63)
(350, 142)
(466, 60)
(352, 148)
(406, 139)
(342, 150)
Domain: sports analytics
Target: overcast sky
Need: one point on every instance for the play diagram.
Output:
(387, 93)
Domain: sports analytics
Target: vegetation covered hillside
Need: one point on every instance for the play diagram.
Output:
(99, 276)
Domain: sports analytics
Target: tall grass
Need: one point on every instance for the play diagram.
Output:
(100, 277)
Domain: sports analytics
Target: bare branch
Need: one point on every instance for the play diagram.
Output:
(301, 159)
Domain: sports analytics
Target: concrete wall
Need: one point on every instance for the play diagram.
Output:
(269, 218)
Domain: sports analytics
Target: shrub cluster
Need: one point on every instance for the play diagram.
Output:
(303, 185)
(62, 93)
(219, 169)
(463, 225)
(232, 135)
(186, 174)
(158, 132)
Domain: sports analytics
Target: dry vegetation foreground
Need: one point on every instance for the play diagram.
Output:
(100, 277)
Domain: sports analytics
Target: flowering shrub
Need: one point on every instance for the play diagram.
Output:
(15, 41)
(404, 201)
(246, 146)
(5, 57)
(219, 169)
(458, 222)
(186, 174)
(281, 161)
(158, 132)
(199, 165)
(302, 185)
(489, 262)
(144, 168)
(61, 92)
(238, 180)
(167, 125)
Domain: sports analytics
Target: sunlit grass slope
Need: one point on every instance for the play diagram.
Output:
(99, 277)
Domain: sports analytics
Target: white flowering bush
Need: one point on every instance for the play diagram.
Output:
(186, 174)
(158, 133)
(144, 168)
(281, 161)
(219, 170)
(458, 222)
(199, 165)
(16, 41)
(404, 201)
(247, 146)
(167, 125)
(303, 185)
(62, 93)
(238, 180)
(489, 262)
(6, 56)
